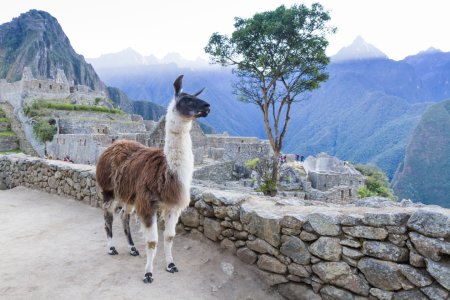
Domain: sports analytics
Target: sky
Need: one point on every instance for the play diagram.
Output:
(398, 28)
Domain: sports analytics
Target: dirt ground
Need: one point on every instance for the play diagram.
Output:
(55, 248)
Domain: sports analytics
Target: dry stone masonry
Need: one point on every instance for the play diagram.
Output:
(369, 249)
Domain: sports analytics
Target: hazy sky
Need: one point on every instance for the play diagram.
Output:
(398, 28)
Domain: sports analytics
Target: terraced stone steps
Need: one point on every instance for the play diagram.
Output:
(16, 126)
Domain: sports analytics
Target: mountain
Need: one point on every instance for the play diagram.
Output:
(154, 83)
(124, 58)
(131, 58)
(148, 110)
(424, 174)
(358, 50)
(36, 40)
(433, 67)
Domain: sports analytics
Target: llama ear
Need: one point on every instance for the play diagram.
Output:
(195, 95)
(178, 85)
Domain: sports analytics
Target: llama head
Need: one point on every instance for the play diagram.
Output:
(189, 106)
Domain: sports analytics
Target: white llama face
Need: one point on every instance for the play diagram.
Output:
(189, 106)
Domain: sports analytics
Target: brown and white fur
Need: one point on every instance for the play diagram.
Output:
(144, 179)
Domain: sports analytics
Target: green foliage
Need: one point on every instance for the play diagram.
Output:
(4, 120)
(377, 182)
(13, 151)
(42, 130)
(8, 133)
(98, 100)
(264, 170)
(41, 104)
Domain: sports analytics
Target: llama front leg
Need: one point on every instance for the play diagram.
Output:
(108, 213)
(151, 238)
(125, 216)
(171, 219)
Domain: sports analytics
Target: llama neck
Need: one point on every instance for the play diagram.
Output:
(178, 146)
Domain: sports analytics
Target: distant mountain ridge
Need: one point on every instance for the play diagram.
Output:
(358, 50)
(132, 58)
(36, 40)
(424, 174)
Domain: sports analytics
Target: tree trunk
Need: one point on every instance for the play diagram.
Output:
(275, 172)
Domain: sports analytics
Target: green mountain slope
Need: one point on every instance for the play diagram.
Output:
(36, 40)
(424, 175)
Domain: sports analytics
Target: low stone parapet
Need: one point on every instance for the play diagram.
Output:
(357, 251)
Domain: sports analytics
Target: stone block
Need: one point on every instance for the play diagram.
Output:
(204, 209)
(326, 222)
(352, 220)
(410, 295)
(366, 232)
(327, 248)
(382, 295)
(294, 221)
(330, 292)
(298, 270)
(385, 251)
(350, 243)
(430, 222)
(212, 229)
(262, 224)
(271, 264)
(295, 291)
(418, 277)
(352, 253)
(295, 249)
(429, 247)
(435, 292)
(229, 246)
(247, 255)
(440, 271)
(308, 237)
(261, 246)
(383, 218)
(269, 278)
(384, 275)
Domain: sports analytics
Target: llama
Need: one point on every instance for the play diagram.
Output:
(144, 179)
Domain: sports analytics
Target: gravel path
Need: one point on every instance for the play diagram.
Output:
(55, 248)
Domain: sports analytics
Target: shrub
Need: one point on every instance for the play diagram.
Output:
(263, 169)
(98, 100)
(377, 182)
(42, 130)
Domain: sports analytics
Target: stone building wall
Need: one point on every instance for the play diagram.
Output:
(63, 114)
(240, 153)
(324, 181)
(86, 126)
(328, 253)
(8, 143)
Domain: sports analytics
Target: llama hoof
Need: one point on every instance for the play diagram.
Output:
(172, 268)
(148, 278)
(134, 252)
(113, 251)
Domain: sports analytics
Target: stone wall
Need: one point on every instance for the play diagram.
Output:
(92, 115)
(218, 172)
(8, 143)
(85, 126)
(240, 153)
(334, 252)
(5, 125)
(324, 181)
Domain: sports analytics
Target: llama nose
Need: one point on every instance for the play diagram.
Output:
(206, 105)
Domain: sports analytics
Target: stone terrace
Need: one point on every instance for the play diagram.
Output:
(370, 249)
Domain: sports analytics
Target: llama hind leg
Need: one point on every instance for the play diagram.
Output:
(171, 218)
(125, 216)
(151, 238)
(108, 213)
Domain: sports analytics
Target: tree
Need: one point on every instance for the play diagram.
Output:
(277, 56)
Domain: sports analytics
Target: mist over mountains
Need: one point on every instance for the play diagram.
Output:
(365, 113)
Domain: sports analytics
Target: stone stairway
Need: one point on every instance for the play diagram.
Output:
(16, 126)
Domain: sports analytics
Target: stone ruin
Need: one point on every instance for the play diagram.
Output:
(371, 248)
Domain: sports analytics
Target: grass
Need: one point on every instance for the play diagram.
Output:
(42, 104)
(8, 133)
(116, 121)
(14, 151)
(4, 120)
